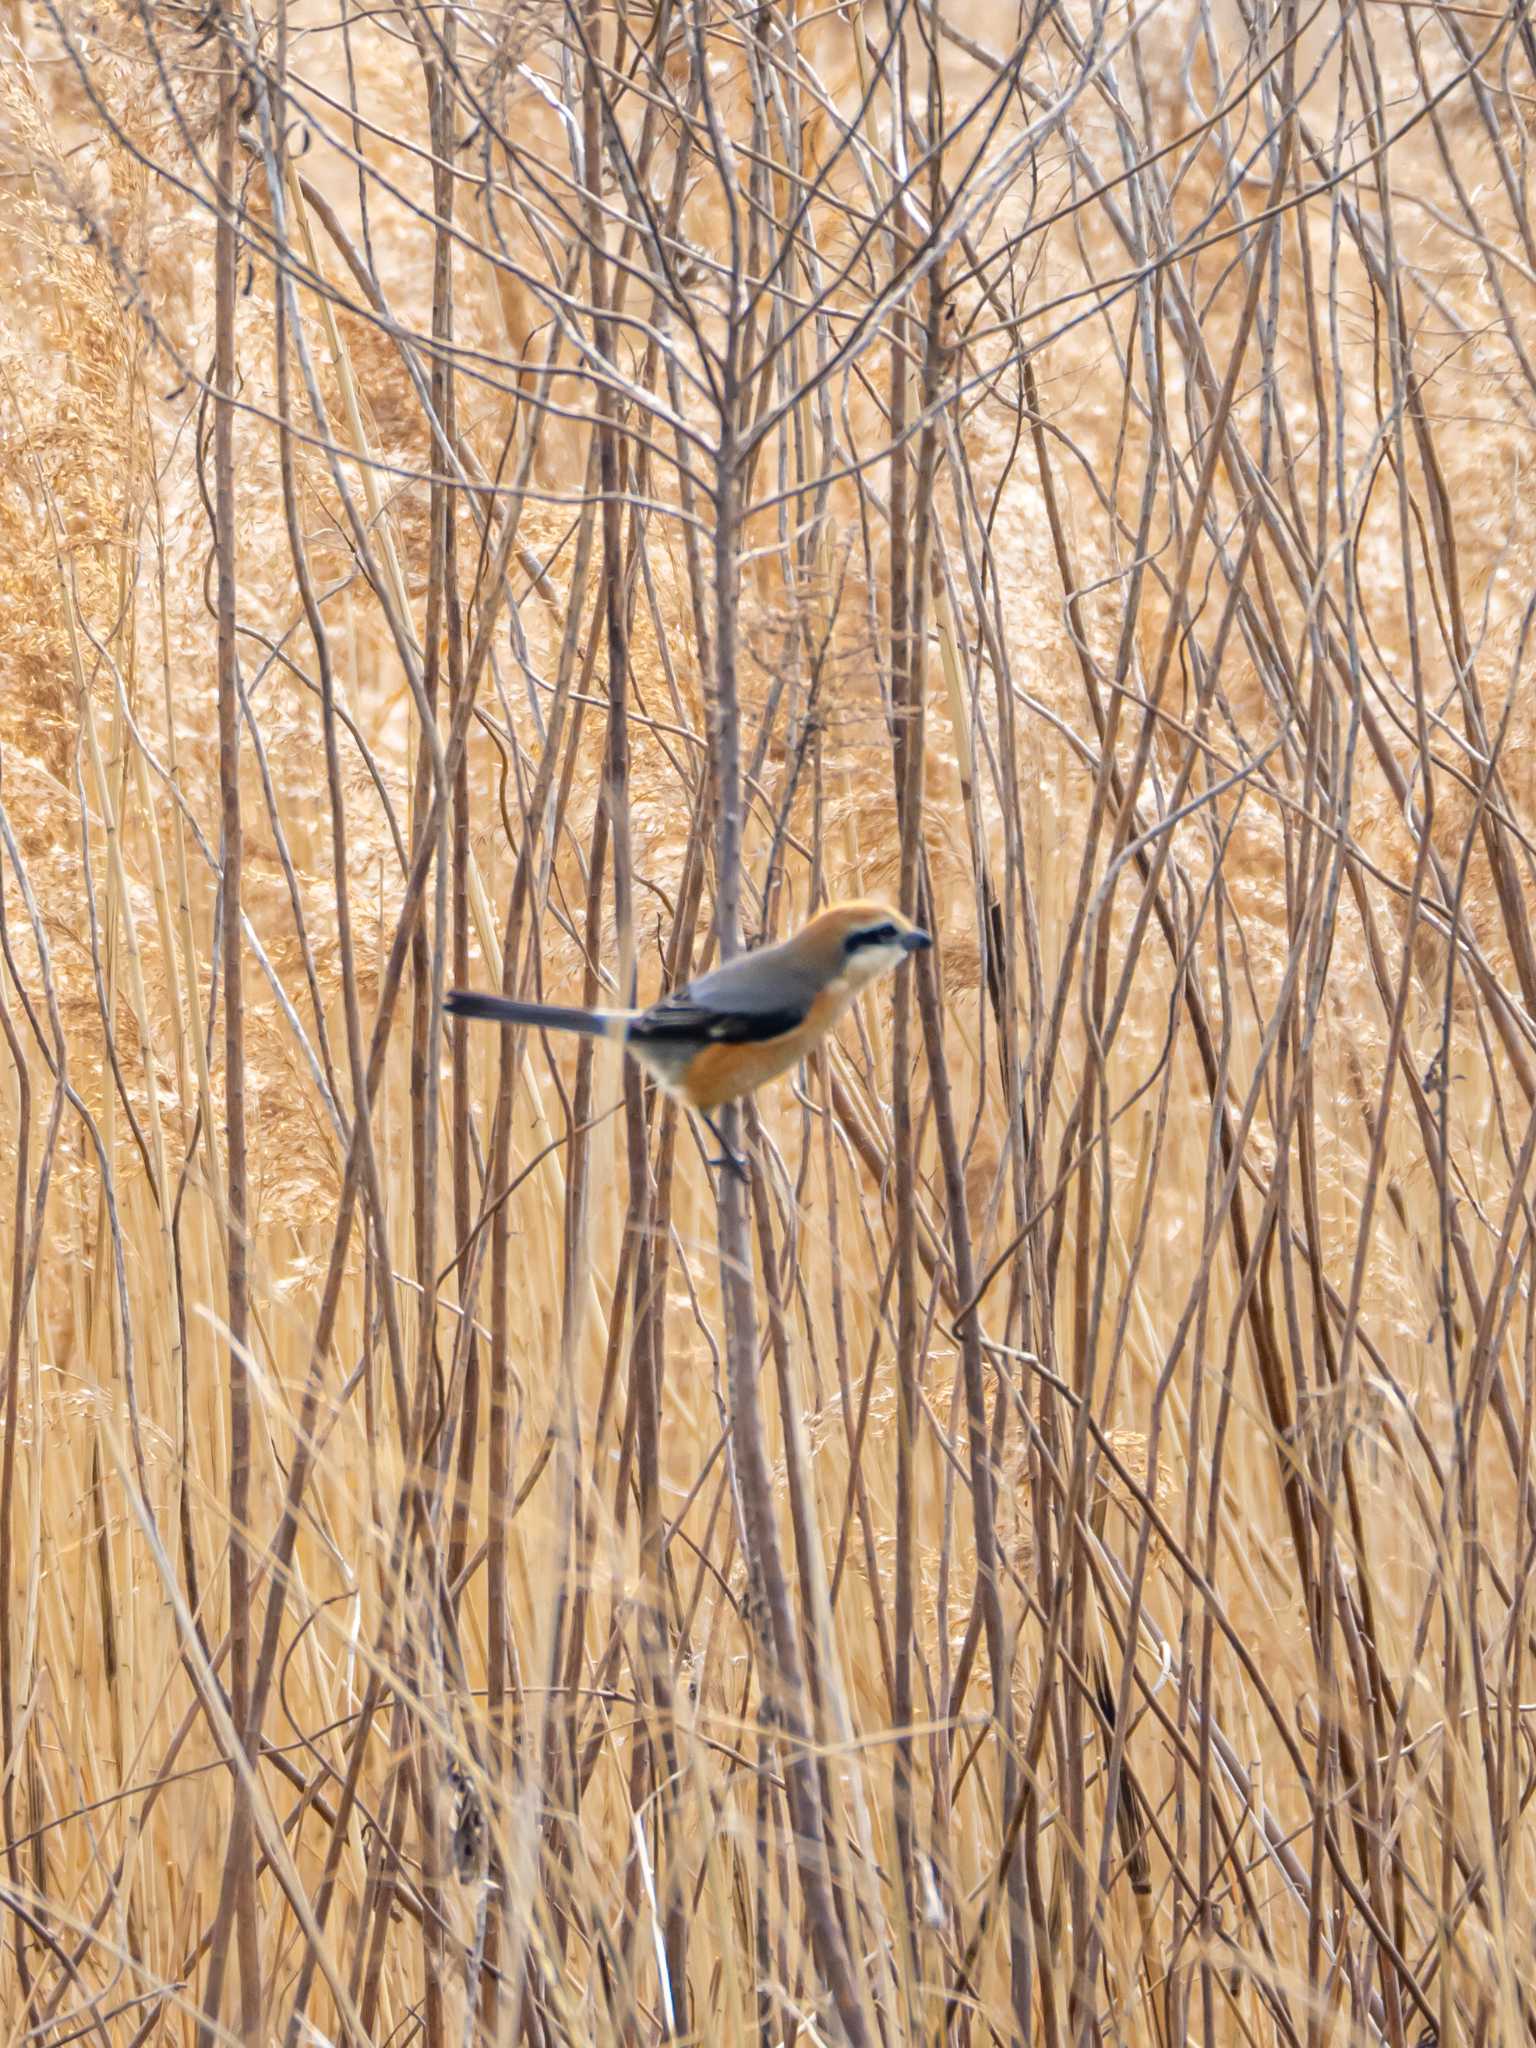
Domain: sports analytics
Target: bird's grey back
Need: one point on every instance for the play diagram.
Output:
(754, 984)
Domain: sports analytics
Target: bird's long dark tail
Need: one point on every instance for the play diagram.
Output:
(464, 1002)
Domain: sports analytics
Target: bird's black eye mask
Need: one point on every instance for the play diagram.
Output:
(872, 935)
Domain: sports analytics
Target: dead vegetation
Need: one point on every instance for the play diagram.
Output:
(538, 498)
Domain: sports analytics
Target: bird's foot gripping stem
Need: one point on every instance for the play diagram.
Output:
(731, 1161)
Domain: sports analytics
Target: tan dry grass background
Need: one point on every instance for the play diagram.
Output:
(1325, 1752)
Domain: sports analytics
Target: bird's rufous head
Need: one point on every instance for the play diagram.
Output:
(861, 941)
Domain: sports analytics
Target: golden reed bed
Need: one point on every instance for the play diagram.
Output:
(526, 497)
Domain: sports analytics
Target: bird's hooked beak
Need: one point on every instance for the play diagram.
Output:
(916, 941)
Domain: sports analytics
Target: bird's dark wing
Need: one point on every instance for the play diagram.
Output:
(684, 1017)
(756, 996)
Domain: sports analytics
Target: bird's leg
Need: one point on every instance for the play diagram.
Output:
(732, 1161)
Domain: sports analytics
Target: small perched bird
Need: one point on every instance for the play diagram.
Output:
(741, 1024)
